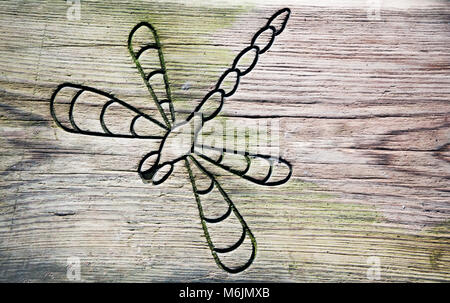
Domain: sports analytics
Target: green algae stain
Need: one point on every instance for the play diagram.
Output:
(308, 204)
(439, 229)
(438, 254)
(435, 257)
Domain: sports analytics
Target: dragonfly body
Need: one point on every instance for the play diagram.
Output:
(179, 139)
(176, 145)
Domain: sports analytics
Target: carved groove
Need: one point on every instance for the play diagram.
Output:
(153, 174)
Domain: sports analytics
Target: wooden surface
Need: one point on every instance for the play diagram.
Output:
(364, 110)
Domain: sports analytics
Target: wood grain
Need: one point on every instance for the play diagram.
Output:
(363, 107)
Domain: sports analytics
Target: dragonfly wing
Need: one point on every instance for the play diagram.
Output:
(89, 111)
(230, 240)
(243, 64)
(145, 49)
(257, 168)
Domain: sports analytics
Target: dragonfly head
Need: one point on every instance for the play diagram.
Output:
(151, 170)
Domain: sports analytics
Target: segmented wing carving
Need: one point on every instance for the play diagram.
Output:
(221, 221)
(89, 111)
(257, 168)
(145, 49)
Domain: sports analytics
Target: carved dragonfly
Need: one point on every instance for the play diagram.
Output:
(179, 139)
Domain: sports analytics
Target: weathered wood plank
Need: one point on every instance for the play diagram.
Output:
(363, 107)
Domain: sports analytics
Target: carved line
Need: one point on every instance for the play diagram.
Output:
(77, 129)
(248, 156)
(247, 231)
(150, 174)
(135, 56)
(238, 72)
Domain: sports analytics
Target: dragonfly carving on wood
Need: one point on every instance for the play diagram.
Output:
(179, 138)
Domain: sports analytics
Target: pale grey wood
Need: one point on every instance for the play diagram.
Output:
(364, 109)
